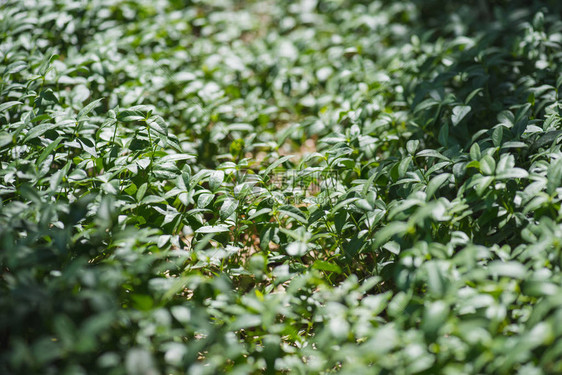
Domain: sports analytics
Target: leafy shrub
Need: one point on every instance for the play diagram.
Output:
(308, 187)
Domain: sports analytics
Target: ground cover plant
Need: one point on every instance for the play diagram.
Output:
(270, 187)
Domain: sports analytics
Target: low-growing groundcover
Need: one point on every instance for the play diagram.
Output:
(311, 186)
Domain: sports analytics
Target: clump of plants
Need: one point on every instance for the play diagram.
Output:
(280, 187)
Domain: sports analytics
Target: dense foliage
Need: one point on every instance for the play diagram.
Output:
(265, 186)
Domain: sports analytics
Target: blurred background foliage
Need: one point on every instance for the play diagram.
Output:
(141, 232)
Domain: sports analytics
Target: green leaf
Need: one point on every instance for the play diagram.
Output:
(554, 176)
(497, 136)
(176, 157)
(46, 62)
(259, 213)
(436, 280)
(141, 191)
(275, 164)
(216, 178)
(512, 173)
(159, 125)
(213, 229)
(130, 116)
(444, 135)
(472, 95)
(513, 144)
(228, 207)
(50, 95)
(38, 131)
(487, 165)
(140, 361)
(5, 139)
(435, 184)
(293, 212)
(388, 231)
(15, 67)
(431, 154)
(398, 304)
(435, 315)
(482, 184)
(204, 199)
(47, 151)
(404, 165)
(475, 152)
(412, 146)
(509, 269)
(87, 109)
(150, 199)
(8, 105)
(246, 321)
(459, 113)
(327, 266)
(297, 249)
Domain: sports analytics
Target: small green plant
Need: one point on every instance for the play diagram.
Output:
(280, 187)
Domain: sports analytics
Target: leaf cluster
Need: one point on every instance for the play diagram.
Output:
(270, 187)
